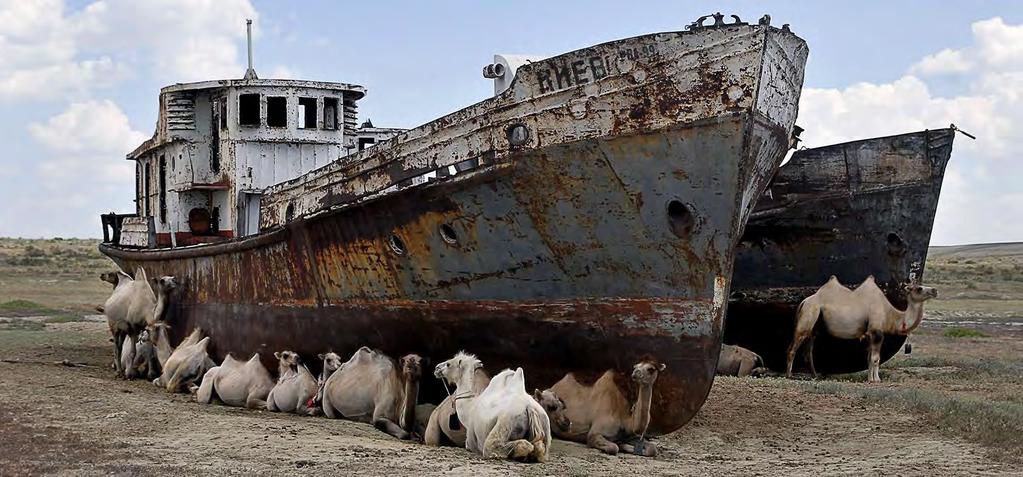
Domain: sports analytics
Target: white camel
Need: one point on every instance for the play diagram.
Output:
(602, 417)
(132, 306)
(331, 362)
(237, 383)
(371, 387)
(864, 312)
(296, 387)
(146, 364)
(184, 365)
(503, 421)
(444, 425)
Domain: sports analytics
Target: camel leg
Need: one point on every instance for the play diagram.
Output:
(253, 402)
(497, 445)
(806, 319)
(118, 343)
(388, 426)
(270, 404)
(873, 368)
(598, 441)
(640, 446)
(205, 393)
(808, 354)
(745, 367)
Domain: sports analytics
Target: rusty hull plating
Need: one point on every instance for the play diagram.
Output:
(606, 235)
(850, 210)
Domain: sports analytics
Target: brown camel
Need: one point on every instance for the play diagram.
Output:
(602, 417)
(864, 312)
(739, 361)
(371, 387)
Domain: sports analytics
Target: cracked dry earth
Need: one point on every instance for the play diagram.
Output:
(60, 420)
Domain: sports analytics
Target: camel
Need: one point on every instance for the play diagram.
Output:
(296, 387)
(371, 387)
(502, 421)
(739, 361)
(237, 383)
(146, 363)
(128, 358)
(184, 365)
(555, 408)
(331, 362)
(444, 425)
(601, 416)
(864, 312)
(132, 306)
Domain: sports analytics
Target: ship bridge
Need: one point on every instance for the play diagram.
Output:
(218, 144)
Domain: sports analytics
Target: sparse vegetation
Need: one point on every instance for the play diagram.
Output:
(22, 307)
(961, 332)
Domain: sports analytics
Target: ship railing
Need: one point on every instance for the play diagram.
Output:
(129, 230)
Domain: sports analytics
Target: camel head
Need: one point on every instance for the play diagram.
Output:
(109, 277)
(645, 371)
(411, 366)
(163, 284)
(555, 408)
(331, 362)
(155, 329)
(917, 293)
(453, 369)
(287, 360)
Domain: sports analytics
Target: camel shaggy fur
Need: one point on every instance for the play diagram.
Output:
(444, 426)
(185, 364)
(864, 312)
(602, 417)
(237, 383)
(296, 387)
(503, 421)
(739, 361)
(371, 387)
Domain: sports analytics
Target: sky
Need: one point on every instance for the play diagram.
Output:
(79, 81)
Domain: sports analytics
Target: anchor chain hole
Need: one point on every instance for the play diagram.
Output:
(397, 245)
(447, 232)
(680, 219)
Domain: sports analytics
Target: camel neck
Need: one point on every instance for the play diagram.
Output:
(912, 317)
(408, 407)
(641, 410)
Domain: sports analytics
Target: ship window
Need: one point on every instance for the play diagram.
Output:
(680, 219)
(330, 113)
(447, 232)
(277, 112)
(289, 213)
(397, 245)
(163, 189)
(223, 113)
(248, 110)
(307, 113)
(145, 189)
(365, 142)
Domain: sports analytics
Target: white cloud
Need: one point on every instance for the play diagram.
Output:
(282, 72)
(49, 52)
(946, 61)
(984, 183)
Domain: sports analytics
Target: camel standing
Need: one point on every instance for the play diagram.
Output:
(371, 387)
(739, 361)
(444, 424)
(237, 383)
(602, 417)
(296, 387)
(864, 312)
(503, 421)
(132, 306)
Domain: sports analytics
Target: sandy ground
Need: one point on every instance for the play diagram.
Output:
(61, 420)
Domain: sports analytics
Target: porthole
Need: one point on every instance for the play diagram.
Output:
(896, 246)
(680, 219)
(447, 232)
(397, 245)
(289, 213)
(518, 135)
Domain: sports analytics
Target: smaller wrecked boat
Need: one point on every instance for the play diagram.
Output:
(851, 210)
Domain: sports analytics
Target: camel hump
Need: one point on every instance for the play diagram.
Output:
(203, 343)
(255, 357)
(870, 278)
(140, 274)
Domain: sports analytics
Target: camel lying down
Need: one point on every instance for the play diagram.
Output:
(237, 383)
(602, 417)
(371, 387)
(184, 365)
(296, 387)
(739, 361)
(503, 421)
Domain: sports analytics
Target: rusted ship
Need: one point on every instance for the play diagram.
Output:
(851, 210)
(582, 218)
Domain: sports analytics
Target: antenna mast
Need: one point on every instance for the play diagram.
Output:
(249, 73)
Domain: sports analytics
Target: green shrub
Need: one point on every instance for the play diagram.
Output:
(960, 332)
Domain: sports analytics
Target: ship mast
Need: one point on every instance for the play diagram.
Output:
(250, 73)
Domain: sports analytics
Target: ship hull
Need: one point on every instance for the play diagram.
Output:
(851, 210)
(604, 238)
